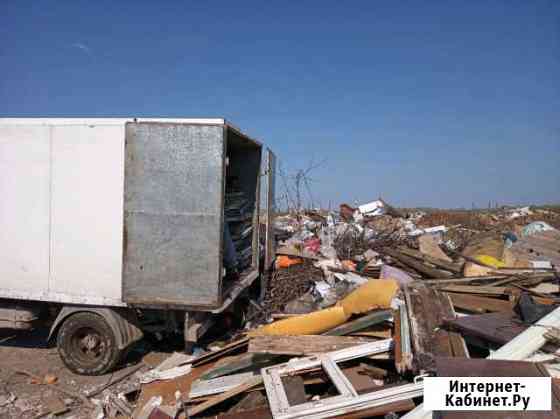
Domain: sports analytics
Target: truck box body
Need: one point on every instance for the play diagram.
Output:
(122, 211)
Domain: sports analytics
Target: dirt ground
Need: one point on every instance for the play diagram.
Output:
(25, 353)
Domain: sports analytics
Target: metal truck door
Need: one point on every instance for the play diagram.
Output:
(173, 214)
(270, 250)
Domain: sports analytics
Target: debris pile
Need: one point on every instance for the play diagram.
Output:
(363, 303)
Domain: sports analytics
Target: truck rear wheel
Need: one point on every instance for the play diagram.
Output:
(87, 344)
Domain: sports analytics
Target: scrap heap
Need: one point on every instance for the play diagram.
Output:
(364, 302)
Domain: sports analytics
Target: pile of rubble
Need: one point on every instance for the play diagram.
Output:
(361, 305)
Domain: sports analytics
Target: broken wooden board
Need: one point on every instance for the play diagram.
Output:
(427, 311)
(496, 328)
(476, 304)
(240, 363)
(546, 288)
(362, 382)
(251, 401)
(301, 345)
(375, 317)
(488, 243)
(252, 382)
(167, 389)
(476, 289)
(415, 264)
(379, 331)
(429, 246)
(453, 367)
(444, 264)
(258, 413)
(226, 350)
(295, 390)
(403, 346)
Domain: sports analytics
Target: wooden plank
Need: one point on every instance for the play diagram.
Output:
(301, 345)
(244, 362)
(475, 289)
(497, 328)
(417, 265)
(478, 304)
(428, 245)
(449, 266)
(166, 389)
(362, 383)
(361, 323)
(379, 333)
(295, 390)
(397, 349)
(255, 381)
(450, 281)
(427, 311)
(258, 413)
(227, 349)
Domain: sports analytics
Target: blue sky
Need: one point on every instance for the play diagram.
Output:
(423, 103)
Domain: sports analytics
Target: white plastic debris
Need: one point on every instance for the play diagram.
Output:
(520, 212)
(535, 227)
(370, 254)
(322, 288)
(372, 208)
(429, 230)
(541, 264)
(176, 365)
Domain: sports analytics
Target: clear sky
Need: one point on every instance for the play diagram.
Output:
(426, 103)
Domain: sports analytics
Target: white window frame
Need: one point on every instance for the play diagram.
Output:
(348, 399)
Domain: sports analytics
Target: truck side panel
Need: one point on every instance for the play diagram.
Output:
(24, 212)
(87, 202)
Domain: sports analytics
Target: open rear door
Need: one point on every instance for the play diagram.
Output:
(270, 251)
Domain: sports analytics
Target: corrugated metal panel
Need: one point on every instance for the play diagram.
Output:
(173, 214)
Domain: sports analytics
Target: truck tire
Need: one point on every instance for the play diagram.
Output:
(87, 344)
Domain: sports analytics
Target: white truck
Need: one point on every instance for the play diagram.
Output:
(117, 225)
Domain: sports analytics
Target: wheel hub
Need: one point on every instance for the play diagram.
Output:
(89, 343)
